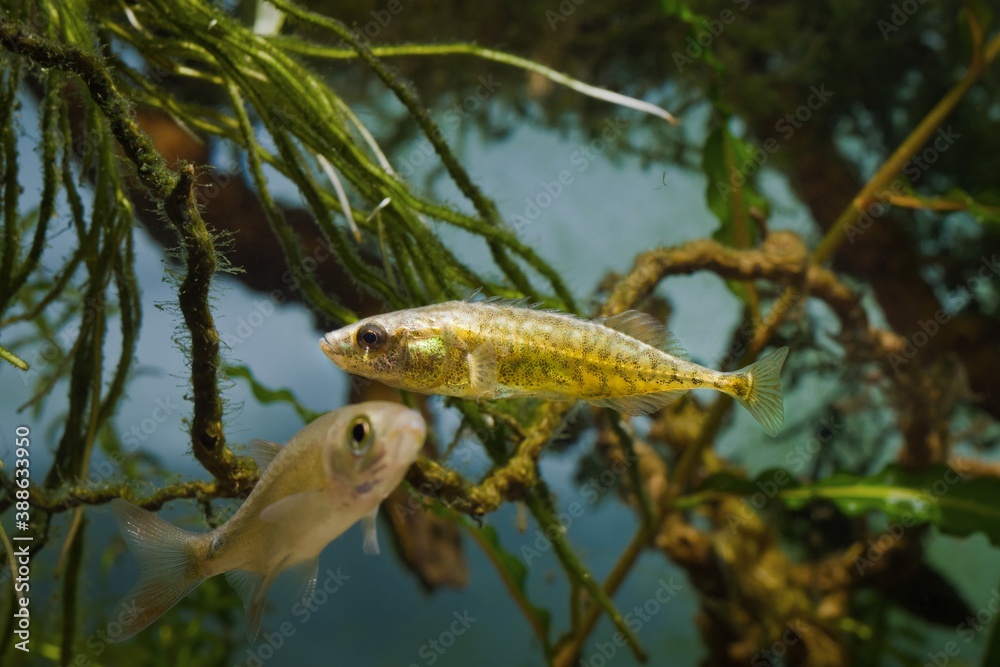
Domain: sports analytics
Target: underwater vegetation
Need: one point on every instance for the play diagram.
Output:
(192, 192)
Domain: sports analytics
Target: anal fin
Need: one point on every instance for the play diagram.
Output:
(251, 587)
(301, 580)
(370, 545)
(639, 405)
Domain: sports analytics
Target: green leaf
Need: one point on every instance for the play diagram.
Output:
(992, 654)
(695, 46)
(514, 574)
(265, 395)
(938, 495)
(984, 207)
(729, 164)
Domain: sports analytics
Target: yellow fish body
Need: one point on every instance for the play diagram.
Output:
(492, 349)
(331, 474)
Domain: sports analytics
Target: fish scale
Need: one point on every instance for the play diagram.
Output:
(489, 349)
(310, 491)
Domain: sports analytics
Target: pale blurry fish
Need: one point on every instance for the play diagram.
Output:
(494, 349)
(332, 473)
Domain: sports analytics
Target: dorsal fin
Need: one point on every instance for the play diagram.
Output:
(263, 452)
(649, 330)
(507, 302)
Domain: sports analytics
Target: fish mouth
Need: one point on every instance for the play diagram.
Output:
(329, 348)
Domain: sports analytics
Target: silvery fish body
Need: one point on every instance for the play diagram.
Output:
(331, 474)
(491, 349)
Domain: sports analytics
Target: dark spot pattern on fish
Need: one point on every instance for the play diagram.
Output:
(362, 489)
(215, 548)
(740, 386)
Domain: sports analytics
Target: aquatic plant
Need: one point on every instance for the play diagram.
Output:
(120, 86)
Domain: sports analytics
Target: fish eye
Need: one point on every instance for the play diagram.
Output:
(360, 436)
(371, 337)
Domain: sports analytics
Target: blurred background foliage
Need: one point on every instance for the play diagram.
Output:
(894, 155)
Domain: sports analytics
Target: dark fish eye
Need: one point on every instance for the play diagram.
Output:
(371, 337)
(360, 436)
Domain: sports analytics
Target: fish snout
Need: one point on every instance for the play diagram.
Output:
(332, 348)
(411, 431)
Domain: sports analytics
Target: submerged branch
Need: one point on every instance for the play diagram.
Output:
(208, 439)
(506, 483)
(176, 193)
(71, 498)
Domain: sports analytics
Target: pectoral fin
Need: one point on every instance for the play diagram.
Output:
(296, 507)
(371, 537)
(483, 370)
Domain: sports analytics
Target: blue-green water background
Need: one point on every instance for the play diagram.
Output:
(610, 212)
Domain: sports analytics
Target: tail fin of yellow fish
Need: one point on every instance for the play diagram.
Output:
(165, 557)
(764, 398)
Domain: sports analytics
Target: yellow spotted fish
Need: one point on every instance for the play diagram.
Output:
(493, 349)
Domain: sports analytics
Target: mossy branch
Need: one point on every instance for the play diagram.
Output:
(505, 483)
(71, 498)
(556, 533)
(137, 146)
(208, 440)
(484, 206)
(176, 192)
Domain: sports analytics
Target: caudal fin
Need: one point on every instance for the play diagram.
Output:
(166, 572)
(764, 398)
